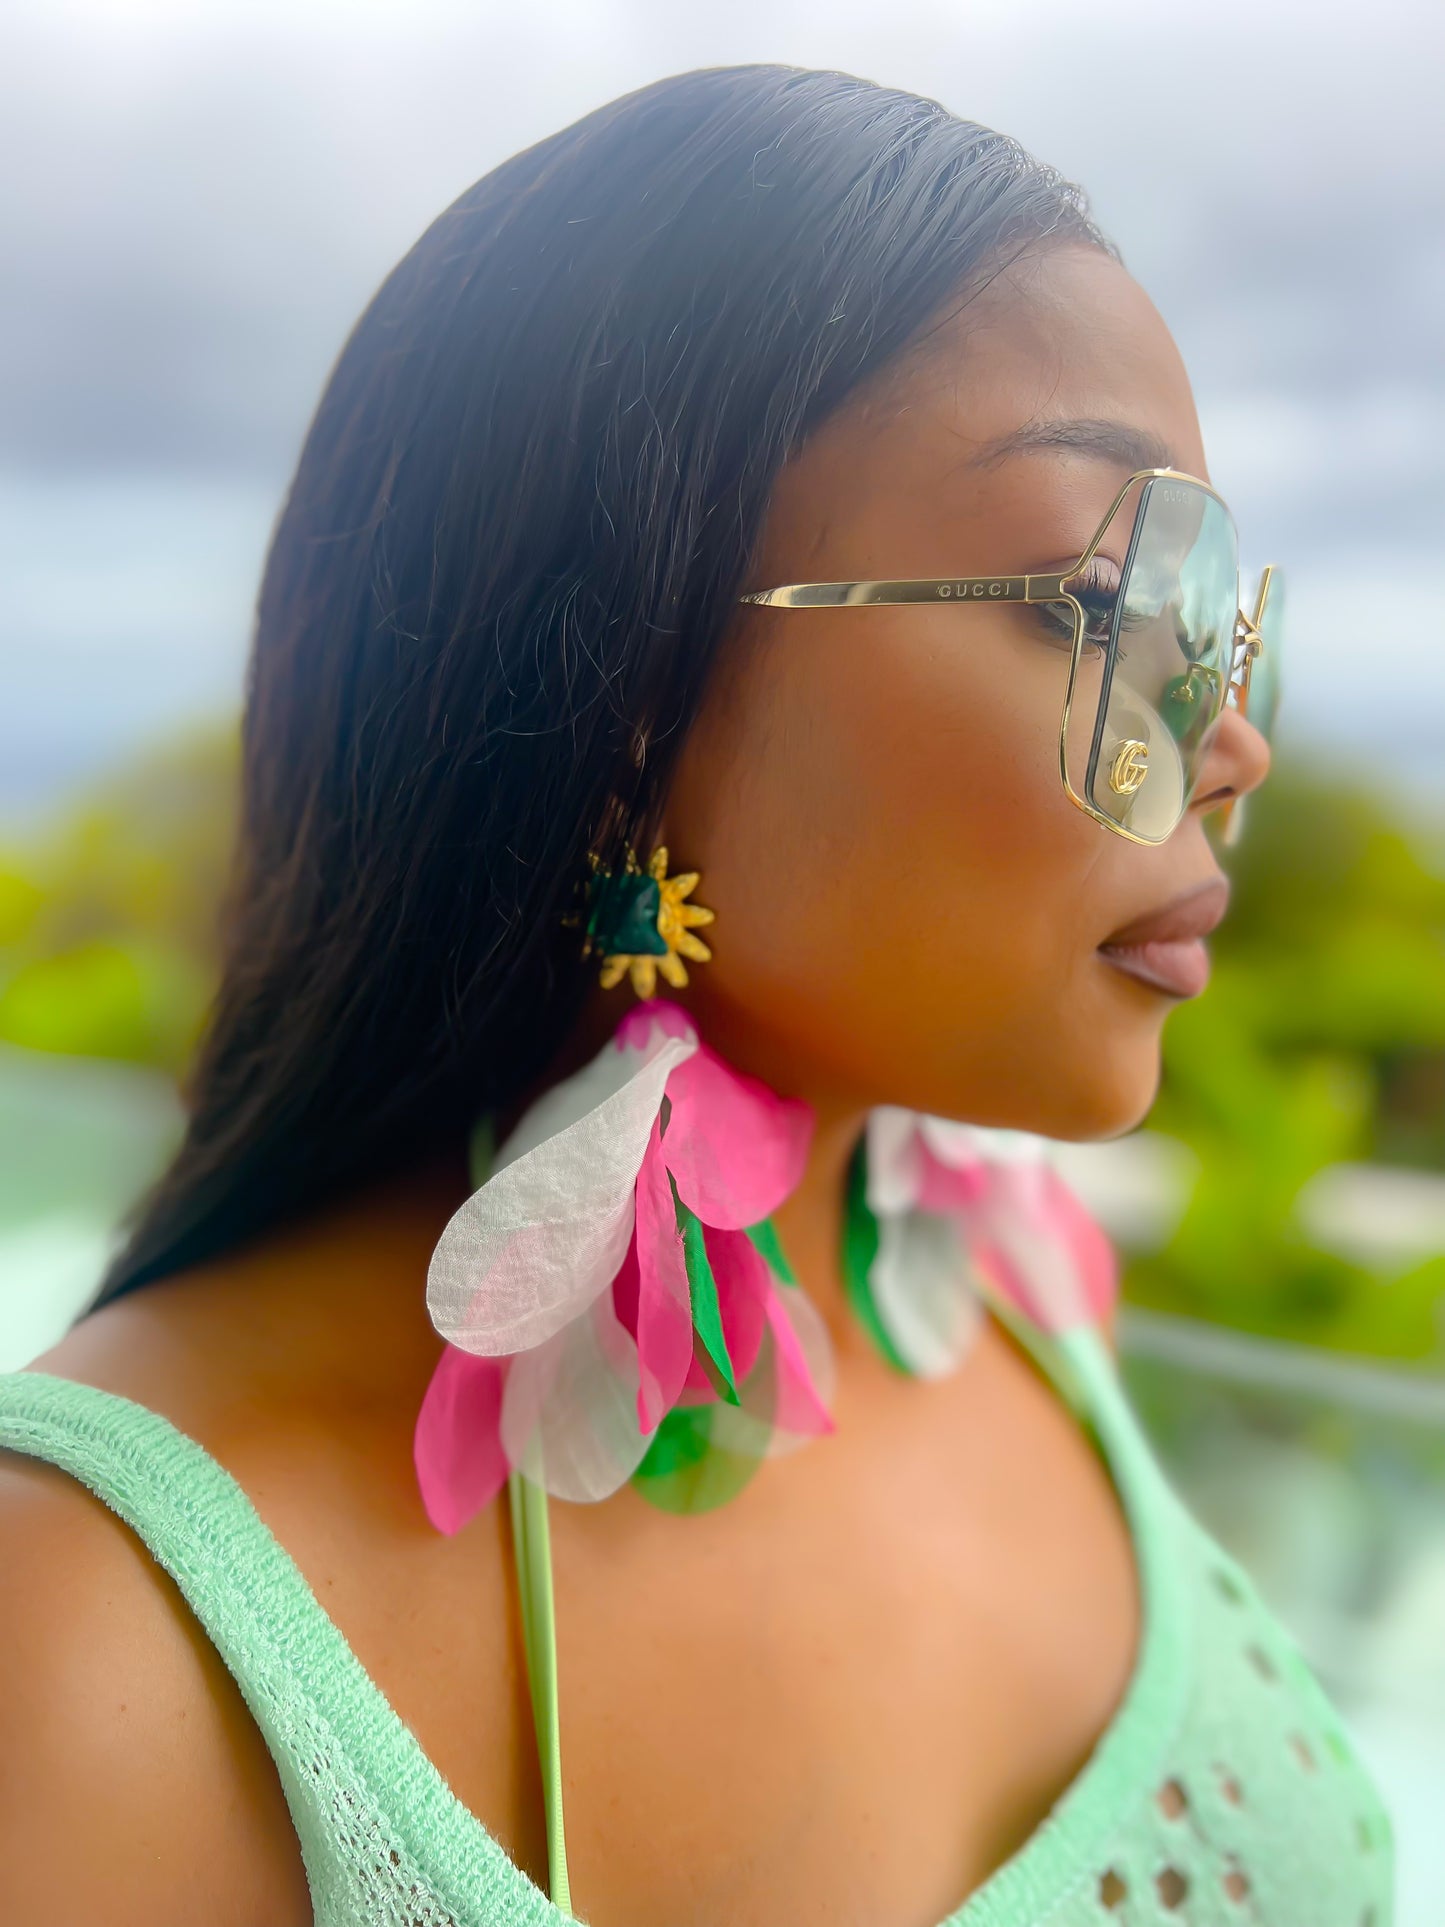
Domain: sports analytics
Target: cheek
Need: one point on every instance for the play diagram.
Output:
(882, 832)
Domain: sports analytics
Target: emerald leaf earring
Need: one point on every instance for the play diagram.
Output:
(641, 925)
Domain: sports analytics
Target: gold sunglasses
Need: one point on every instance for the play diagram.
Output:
(1256, 692)
(1159, 644)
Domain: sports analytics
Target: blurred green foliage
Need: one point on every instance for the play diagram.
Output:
(1321, 1040)
(108, 917)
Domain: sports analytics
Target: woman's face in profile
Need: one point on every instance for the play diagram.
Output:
(909, 908)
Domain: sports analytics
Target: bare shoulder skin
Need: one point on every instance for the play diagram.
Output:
(134, 1786)
(287, 1364)
(857, 1688)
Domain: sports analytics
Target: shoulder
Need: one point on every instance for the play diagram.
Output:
(133, 1781)
(303, 1389)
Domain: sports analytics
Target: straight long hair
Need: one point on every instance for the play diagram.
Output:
(500, 579)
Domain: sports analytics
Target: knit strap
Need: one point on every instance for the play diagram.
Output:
(274, 1635)
(1092, 1382)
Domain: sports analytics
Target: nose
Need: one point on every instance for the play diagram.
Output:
(1236, 762)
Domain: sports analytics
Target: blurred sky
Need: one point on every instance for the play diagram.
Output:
(201, 198)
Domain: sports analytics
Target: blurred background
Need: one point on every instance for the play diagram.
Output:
(203, 197)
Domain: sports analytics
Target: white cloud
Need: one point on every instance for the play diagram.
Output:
(202, 198)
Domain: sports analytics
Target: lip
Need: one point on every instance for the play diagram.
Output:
(1165, 947)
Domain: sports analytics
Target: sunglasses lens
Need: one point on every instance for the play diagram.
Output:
(1155, 661)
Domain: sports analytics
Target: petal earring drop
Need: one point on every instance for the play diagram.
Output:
(640, 924)
(616, 1303)
(942, 1218)
(614, 1299)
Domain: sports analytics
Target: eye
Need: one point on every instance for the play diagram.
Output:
(1096, 591)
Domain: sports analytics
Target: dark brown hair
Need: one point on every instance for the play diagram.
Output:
(511, 547)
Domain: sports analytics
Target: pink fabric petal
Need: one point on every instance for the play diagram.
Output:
(1016, 1282)
(800, 1405)
(664, 1301)
(1038, 1244)
(697, 1382)
(948, 1187)
(657, 1014)
(457, 1444)
(625, 1290)
(626, 1287)
(744, 1284)
(1009, 1246)
(1096, 1263)
(735, 1147)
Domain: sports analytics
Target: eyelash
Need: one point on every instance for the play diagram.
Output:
(1098, 594)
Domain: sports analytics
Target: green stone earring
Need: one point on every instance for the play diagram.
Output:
(640, 924)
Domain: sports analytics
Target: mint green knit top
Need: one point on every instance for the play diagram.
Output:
(1224, 1791)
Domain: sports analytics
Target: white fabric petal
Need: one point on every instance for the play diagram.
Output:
(550, 1228)
(566, 1103)
(923, 1291)
(891, 1154)
(816, 1344)
(569, 1410)
(1009, 1147)
(951, 1142)
(1045, 1267)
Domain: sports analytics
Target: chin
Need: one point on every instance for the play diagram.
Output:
(1091, 1102)
(1117, 1100)
(1079, 1095)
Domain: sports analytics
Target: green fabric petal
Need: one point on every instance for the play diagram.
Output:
(707, 1322)
(684, 1471)
(860, 1248)
(764, 1235)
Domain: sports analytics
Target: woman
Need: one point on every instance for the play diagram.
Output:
(960, 1654)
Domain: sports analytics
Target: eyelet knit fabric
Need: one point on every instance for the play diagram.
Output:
(1223, 1792)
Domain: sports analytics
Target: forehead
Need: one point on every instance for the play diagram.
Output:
(1063, 334)
(1059, 372)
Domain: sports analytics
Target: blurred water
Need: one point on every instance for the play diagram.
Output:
(79, 1140)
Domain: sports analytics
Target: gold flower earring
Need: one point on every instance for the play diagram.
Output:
(640, 924)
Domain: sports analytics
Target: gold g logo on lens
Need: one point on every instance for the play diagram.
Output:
(1129, 768)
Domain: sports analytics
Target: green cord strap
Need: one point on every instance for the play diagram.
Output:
(533, 1546)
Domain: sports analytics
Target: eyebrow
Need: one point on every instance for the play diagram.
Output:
(1107, 441)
